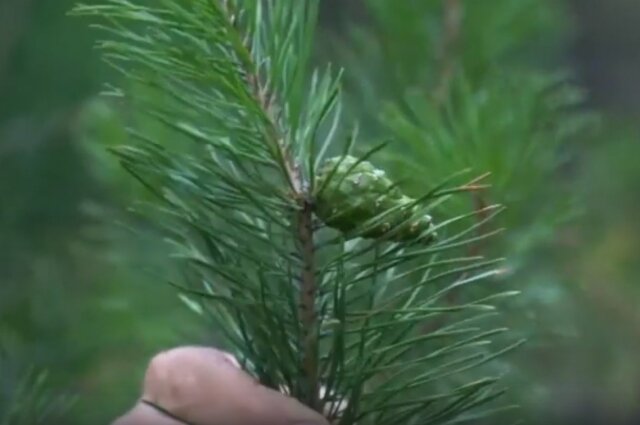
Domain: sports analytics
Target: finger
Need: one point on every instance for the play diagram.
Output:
(206, 386)
(142, 414)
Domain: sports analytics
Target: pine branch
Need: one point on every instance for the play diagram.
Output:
(267, 102)
(319, 271)
(308, 287)
(31, 399)
(305, 230)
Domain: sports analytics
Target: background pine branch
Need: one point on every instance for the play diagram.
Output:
(31, 398)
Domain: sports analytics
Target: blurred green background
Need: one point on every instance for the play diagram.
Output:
(79, 289)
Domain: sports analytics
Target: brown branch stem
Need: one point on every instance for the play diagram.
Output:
(452, 30)
(307, 314)
(307, 310)
(12, 25)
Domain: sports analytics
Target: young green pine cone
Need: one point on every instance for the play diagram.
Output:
(355, 193)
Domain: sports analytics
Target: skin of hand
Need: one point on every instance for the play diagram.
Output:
(143, 414)
(206, 386)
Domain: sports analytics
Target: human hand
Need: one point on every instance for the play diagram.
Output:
(206, 386)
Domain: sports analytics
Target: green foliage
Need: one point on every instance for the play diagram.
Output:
(33, 403)
(74, 294)
(459, 85)
(408, 44)
(26, 396)
(236, 191)
(453, 88)
(516, 127)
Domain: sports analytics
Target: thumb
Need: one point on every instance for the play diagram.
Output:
(206, 386)
(142, 414)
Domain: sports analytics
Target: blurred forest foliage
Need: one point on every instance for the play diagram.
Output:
(79, 293)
